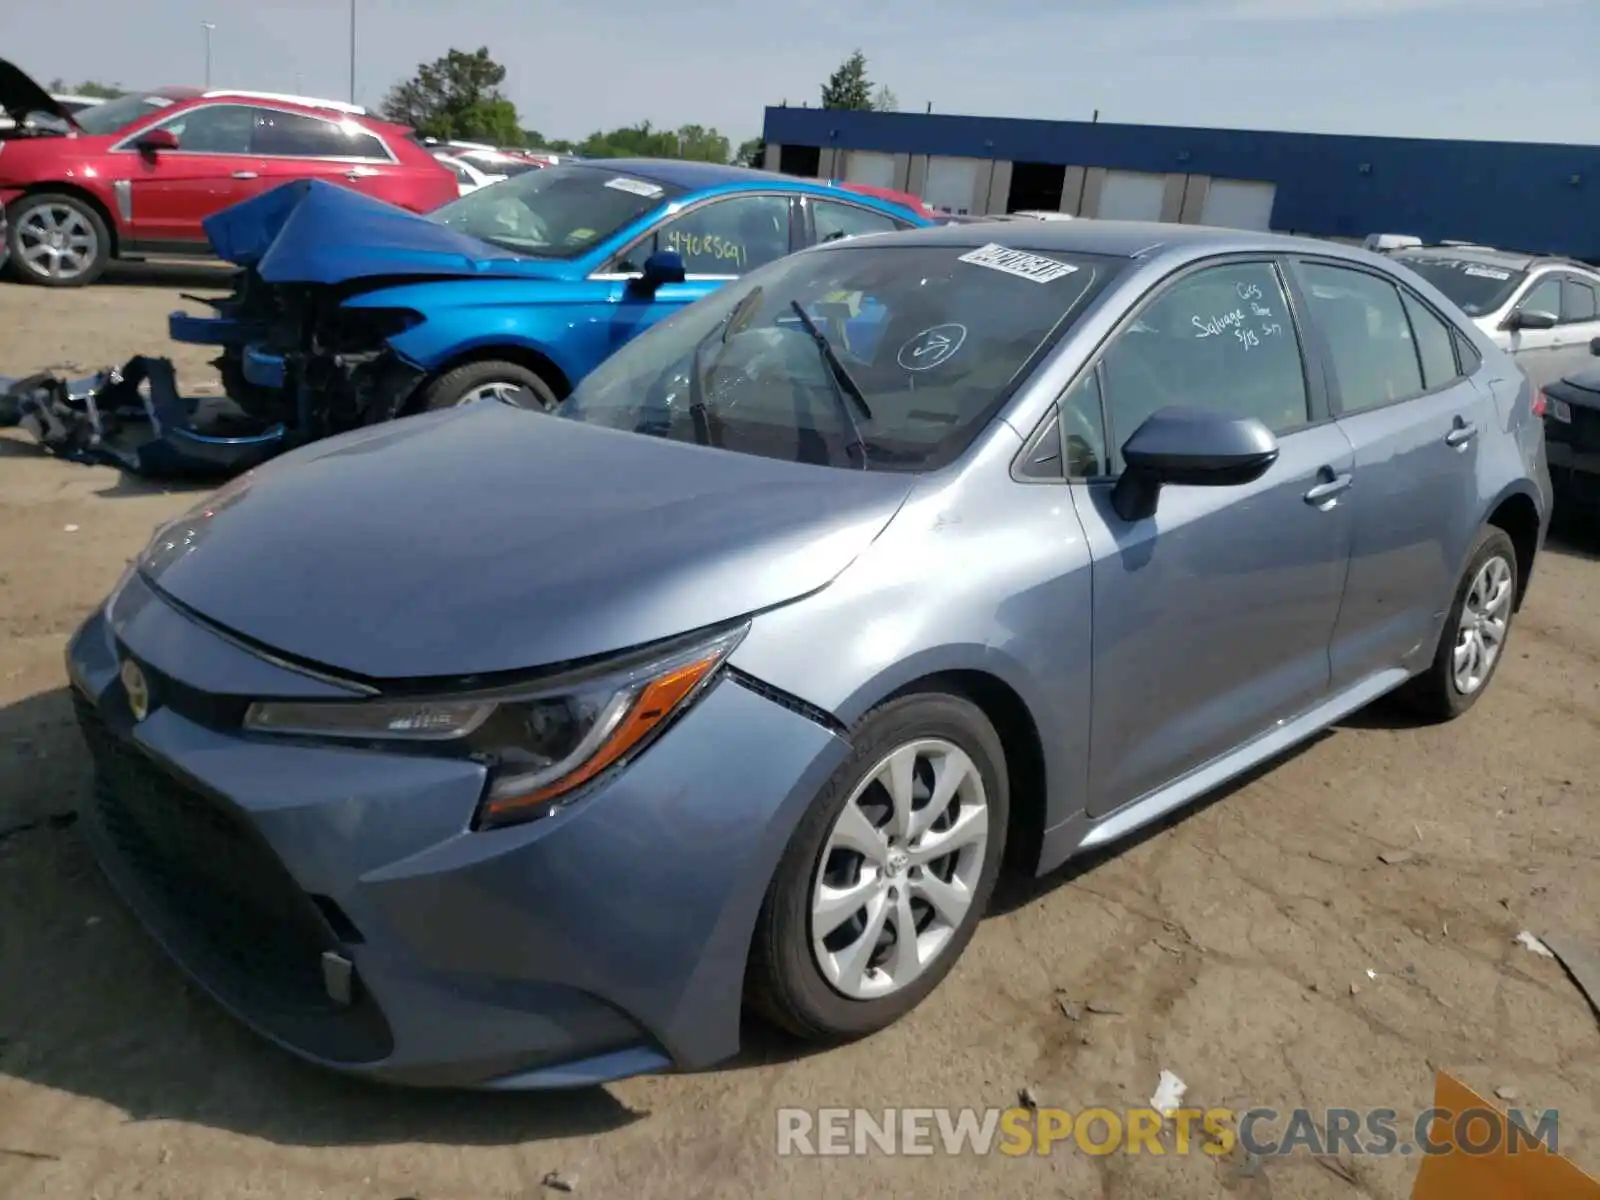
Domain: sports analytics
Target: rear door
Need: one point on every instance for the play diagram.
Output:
(170, 192)
(1401, 394)
(295, 145)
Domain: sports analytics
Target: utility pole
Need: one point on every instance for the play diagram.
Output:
(352, 51)
(206, 27)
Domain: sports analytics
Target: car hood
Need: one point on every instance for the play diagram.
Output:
(310, 231)
(20, 95)
(488, 538)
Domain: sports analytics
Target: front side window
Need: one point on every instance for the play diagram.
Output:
(1220, 339)
(834, 220)
(1367, 333)
(1544, 296)
(557, 212)
(1474, 286)
(294, 135)
(725, 237)
(1577, 301)
(214, 129)
(935, 338)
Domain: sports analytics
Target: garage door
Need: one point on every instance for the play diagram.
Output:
(1131, 196)
(869, 167)
(1239, 204)
(952, 183)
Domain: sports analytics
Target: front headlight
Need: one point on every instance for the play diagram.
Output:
(541, 743)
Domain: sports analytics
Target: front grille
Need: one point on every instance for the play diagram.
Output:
(211, 887)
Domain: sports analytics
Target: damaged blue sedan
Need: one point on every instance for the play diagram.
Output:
(349, 311)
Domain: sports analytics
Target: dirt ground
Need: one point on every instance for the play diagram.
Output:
(1232, 946)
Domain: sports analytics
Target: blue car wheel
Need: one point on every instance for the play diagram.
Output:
(483, 380)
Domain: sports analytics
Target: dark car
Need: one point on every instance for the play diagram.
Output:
(1572, 436)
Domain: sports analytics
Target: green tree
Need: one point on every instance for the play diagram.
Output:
(457, 96)
(752, 153)
(883, 100)
(100, 91)
(696, 142)
(849, 86)
(699, 144)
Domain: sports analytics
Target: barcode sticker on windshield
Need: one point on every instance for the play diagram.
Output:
(634, 187)
(1018, 262)
(1487, 273)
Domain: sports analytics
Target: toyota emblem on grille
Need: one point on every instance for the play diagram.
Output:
(138, 690)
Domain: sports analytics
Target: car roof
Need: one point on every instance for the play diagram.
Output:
(1516, 260)
(692, 176)
(1114, 239)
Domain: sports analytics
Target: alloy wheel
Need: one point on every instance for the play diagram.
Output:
(56, 241)
(899, 869)
(1481, 633)
(500, 390)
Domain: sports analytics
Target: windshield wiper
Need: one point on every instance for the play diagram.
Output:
(845, 389)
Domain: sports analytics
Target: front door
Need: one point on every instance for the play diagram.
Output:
(719, 240)
(1417, 423)
(171, 191)
(1211, 619)
(1536, 350)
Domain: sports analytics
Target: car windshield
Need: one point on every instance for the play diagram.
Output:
(559, 212)
(118, 114)
(1475, 286)
(927, 342)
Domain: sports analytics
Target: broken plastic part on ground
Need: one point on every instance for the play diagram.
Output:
(134, 418)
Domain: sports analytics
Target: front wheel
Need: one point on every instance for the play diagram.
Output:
(887, 875)
(487, 380)
(58, 240)
(1474, 636)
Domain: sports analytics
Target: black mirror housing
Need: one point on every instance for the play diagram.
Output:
(662, 267)
(1190, 447)
(1533, 318)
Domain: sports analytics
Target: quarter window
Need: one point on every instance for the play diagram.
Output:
(835, 221)
(1544, 296)
(294, 135)
(1369, 339)
(1435, 345)
(1577, 301)
(214, 129)
(725, 237)
(1221, 339)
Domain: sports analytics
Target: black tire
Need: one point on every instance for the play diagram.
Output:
(449, 389)
(784, 982)
(83, 211)
(1434, 694)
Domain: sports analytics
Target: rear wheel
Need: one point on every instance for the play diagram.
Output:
(1473, 641)
(887, 875)
(488, 379)
(58, 240)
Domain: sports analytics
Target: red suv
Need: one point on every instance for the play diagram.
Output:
(136, 175)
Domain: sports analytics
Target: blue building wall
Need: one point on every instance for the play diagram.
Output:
(1528, 196)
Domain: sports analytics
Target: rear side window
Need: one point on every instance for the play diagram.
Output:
(294, 135)
(835, 221)
(1577, 301)
(1468, 354)
(1435, 343)
(1544, 296)
(1368, 335)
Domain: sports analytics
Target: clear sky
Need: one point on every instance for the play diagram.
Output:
(1526, 70)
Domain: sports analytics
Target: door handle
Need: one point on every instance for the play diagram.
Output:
(1324, 492)
(1462, 433)
(245, 175)
(360, 172)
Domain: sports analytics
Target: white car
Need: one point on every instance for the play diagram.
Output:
(468, 177)
(1543, 310)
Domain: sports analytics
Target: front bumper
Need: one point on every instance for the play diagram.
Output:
(606, 940)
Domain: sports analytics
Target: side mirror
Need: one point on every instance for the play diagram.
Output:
(1594, 346)
(153, 140)
(664, 266)
(1191, 447)
(1533, 318)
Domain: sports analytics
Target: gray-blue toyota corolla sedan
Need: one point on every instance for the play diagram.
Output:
(503, 749)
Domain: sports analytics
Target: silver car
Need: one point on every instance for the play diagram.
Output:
(499, 748)
(1543, 311)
